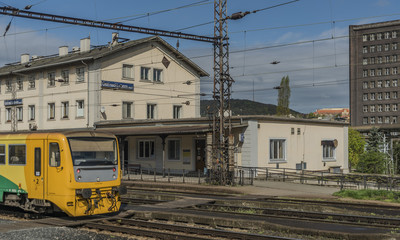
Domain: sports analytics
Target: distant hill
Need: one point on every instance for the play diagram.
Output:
(245, 107)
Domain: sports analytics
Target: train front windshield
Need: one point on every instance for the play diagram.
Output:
(93, 151)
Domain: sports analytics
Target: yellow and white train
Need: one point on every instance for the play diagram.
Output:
(74, 172)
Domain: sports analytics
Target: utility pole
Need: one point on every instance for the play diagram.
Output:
(222, 166)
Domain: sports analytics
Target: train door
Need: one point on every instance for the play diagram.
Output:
(55, 173)
(36, 151)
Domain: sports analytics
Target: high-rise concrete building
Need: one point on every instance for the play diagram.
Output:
(374, 74)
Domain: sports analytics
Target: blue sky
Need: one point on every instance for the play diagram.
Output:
(308, 37)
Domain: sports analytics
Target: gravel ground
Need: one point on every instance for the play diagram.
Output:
(61, 233)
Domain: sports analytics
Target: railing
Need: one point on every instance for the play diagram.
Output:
(248, 176)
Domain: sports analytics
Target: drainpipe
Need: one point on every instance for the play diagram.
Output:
(87, 123)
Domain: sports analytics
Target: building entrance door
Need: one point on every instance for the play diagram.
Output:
(200, 155)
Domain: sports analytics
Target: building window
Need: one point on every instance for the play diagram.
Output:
(328, 150)
(127, 71)
(177, 112)
(387, 59)
(372, 96)
(51, 79)
(365, 49)
(365, 61)
(394, 119)
(372, 48)
(394, 58)
(394, 83)
(394, 34)
(157, 75)
(394, 108)
(80, 74)
(379, 48)
(379, 96)
(394, 46)
(380, 119)
(31, 112)
(379, 84)
(146, 149)
(365, 37)
(387, 83)
(20, 83)
(380, 107)
(372, 72)
(387, 35)
(51, 111)
(8, 85)
(8, 114)
(277, 149)
(365, 85)
(144, 73)
(365, 73)
(65, 76)
(387, 119)
(365, 96)
(80, 107)
(372, 84)
(379, 36)
(372, 120)
(365, 120)
(2, 154)
(394, 70)
(127, 110)
(379, 72)
(394, 95)
(372, 37)
(20, 115)
(387, 107)
(174, 149)
(372, 108)
(372, 60)
(64, 109)
(387, 95)
(151, 111)
(387, 71)
(387, 46)
(16, 154)
(380, 60)
(32, 83)
(365, 108)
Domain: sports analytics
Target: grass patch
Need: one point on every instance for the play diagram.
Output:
(380, 195)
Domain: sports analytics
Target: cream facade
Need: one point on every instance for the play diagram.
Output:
(141, 79)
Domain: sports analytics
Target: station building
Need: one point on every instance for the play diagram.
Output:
(148, 94)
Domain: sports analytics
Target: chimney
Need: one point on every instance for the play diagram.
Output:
(24, 58)
(63, 51)
(114, 40)
(85, 45)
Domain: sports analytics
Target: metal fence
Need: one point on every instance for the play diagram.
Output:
(249, 175)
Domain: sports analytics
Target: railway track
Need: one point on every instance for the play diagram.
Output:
(170, 231)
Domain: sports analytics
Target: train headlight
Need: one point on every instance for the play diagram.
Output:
(79, 178)
(114, 176)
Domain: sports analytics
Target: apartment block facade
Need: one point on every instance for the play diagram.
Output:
(134, 80)
(374, 74)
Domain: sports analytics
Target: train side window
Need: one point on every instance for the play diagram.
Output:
(16, 154)
(54, 155)
(38, 162)
(2, 154)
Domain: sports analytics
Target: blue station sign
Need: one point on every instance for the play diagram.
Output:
(117, 85)
(13, 102)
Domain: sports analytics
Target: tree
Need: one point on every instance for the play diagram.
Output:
(373, 160)
(356, 147)
(283, 97)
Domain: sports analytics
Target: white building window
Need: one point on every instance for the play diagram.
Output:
(387, 119)
(394, 34)
(365, 96)
(380, 107)
(146, 149)
(372, 120)
(20, 83)
(177, 112)
(379, 96)
(365, 85)
(127, 110)
(387, 83)
(277, 150)
(157, 75)
(380, 60)
(394, 46)
(328, 150)
(394, 58)
(365, 61)
(174, 149)
(372, 96)
(145, 73)
(372, 84)
(8, 114)
(151, 111)
(80, 108)
(64, 109)
(365, 73)
(387, 71)
(372, 60)
(387, 95)
(387, 46)
(8, 85)
(31, 112)
(365, 120)
(372, 37)
(31, 82)
(379, 84)
(372, 72)
(394, 108)
(372, 48)
(372, 108)
(365, 108)
(379, 72)
(20, 114)
(394, 70)
(80, 74)
(365, 37)
(365, 49)
(394, 83)
(51, 111)
(387, 107)
(127, 71)
(379, 36)
(394, 95)
(380, 119)
(387, 35)
(65, 76)
(51, 79)
(379, 48)
(394, 119)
